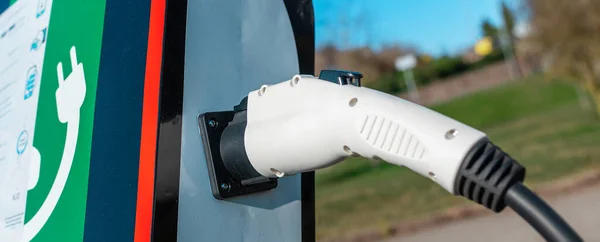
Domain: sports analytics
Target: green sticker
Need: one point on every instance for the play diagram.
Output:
(55, 208)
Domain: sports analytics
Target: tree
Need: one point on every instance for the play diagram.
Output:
(488, 29)
(567, 35)
(509, 26)
(509, 19)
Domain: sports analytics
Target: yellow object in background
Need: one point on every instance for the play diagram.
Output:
(484, 46)
(426, 58)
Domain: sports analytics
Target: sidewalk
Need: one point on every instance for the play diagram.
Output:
(581, 209)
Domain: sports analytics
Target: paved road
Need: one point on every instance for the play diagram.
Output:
(581, 209)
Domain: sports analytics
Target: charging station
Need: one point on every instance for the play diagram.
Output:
(203, 121)
(114, 101)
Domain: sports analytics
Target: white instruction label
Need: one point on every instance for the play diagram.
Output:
(23, 34)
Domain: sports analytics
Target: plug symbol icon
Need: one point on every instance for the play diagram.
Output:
(71, 90)
(69, 99)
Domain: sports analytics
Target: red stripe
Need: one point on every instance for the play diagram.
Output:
(145, 196)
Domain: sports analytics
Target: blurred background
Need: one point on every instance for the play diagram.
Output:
(526, 72)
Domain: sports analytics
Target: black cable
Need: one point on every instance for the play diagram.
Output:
(539, 215)
(490, 177)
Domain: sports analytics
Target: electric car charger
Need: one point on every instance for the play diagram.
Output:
(309, 123)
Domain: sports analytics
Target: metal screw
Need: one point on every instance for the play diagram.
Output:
(353, 102)
(451, 134)
(432, 175)
(212, 123)
(225, 186)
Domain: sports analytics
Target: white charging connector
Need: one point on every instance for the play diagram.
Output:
(306, 124)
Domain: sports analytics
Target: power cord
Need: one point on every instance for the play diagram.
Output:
(493, 179)
(539, 215)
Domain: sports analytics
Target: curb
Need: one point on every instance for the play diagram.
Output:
(548, 190)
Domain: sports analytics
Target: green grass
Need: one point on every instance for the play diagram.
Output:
(540, 123)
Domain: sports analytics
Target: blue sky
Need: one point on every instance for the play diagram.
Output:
(431, 26)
